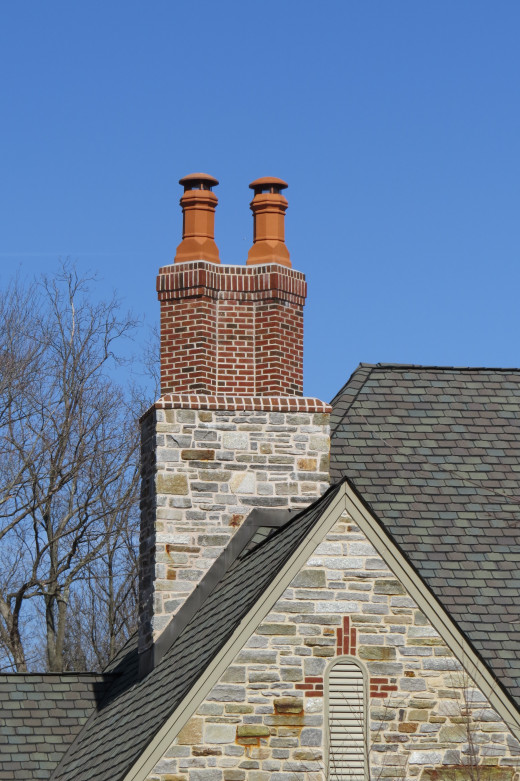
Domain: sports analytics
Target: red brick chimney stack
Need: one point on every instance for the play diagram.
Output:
(233, 330)
(269, 207)
(198, 219)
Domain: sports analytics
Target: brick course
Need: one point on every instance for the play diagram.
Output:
(243, 403)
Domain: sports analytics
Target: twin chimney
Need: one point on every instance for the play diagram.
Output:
(198, 228)
(232, 431)
(232, 329)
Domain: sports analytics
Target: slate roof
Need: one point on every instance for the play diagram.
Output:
(40, 715)
(435, 453)
(134, 710)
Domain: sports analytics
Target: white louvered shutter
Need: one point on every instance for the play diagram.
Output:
(346, 722)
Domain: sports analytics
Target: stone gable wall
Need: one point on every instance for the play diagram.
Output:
(264, 720)
(203, 471)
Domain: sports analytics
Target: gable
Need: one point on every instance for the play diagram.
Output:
(135, 728)
(344, 670)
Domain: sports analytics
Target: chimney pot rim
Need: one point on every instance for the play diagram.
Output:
(265, 181)
(198, 177)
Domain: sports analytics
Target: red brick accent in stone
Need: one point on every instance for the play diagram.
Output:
(381, 687)
(234, 330)
(313, 686)
(346, 639)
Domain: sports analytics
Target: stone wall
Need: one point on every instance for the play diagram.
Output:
(265, 720)
(203, 472)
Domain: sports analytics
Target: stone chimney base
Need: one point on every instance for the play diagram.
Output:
(204, 469)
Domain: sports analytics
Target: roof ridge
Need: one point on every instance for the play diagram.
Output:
(429, 367)
(366, 369)
(361, 367)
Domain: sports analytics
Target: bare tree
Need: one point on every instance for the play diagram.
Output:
(68, 474)
(104, 604)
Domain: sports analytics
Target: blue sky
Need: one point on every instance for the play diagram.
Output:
(396, 124)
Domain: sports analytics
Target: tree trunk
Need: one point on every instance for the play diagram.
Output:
(12, 638)
(56, 620)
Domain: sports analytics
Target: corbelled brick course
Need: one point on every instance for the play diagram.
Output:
(243, 403)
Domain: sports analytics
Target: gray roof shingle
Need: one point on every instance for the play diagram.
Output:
(40, 715)
(435, 453)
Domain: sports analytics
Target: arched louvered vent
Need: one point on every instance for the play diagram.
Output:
(347, 728)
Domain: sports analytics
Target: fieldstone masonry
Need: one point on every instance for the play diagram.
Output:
(265, 720)
(203, 472)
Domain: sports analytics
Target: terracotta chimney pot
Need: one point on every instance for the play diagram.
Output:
(269, 207)
(198, 224)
